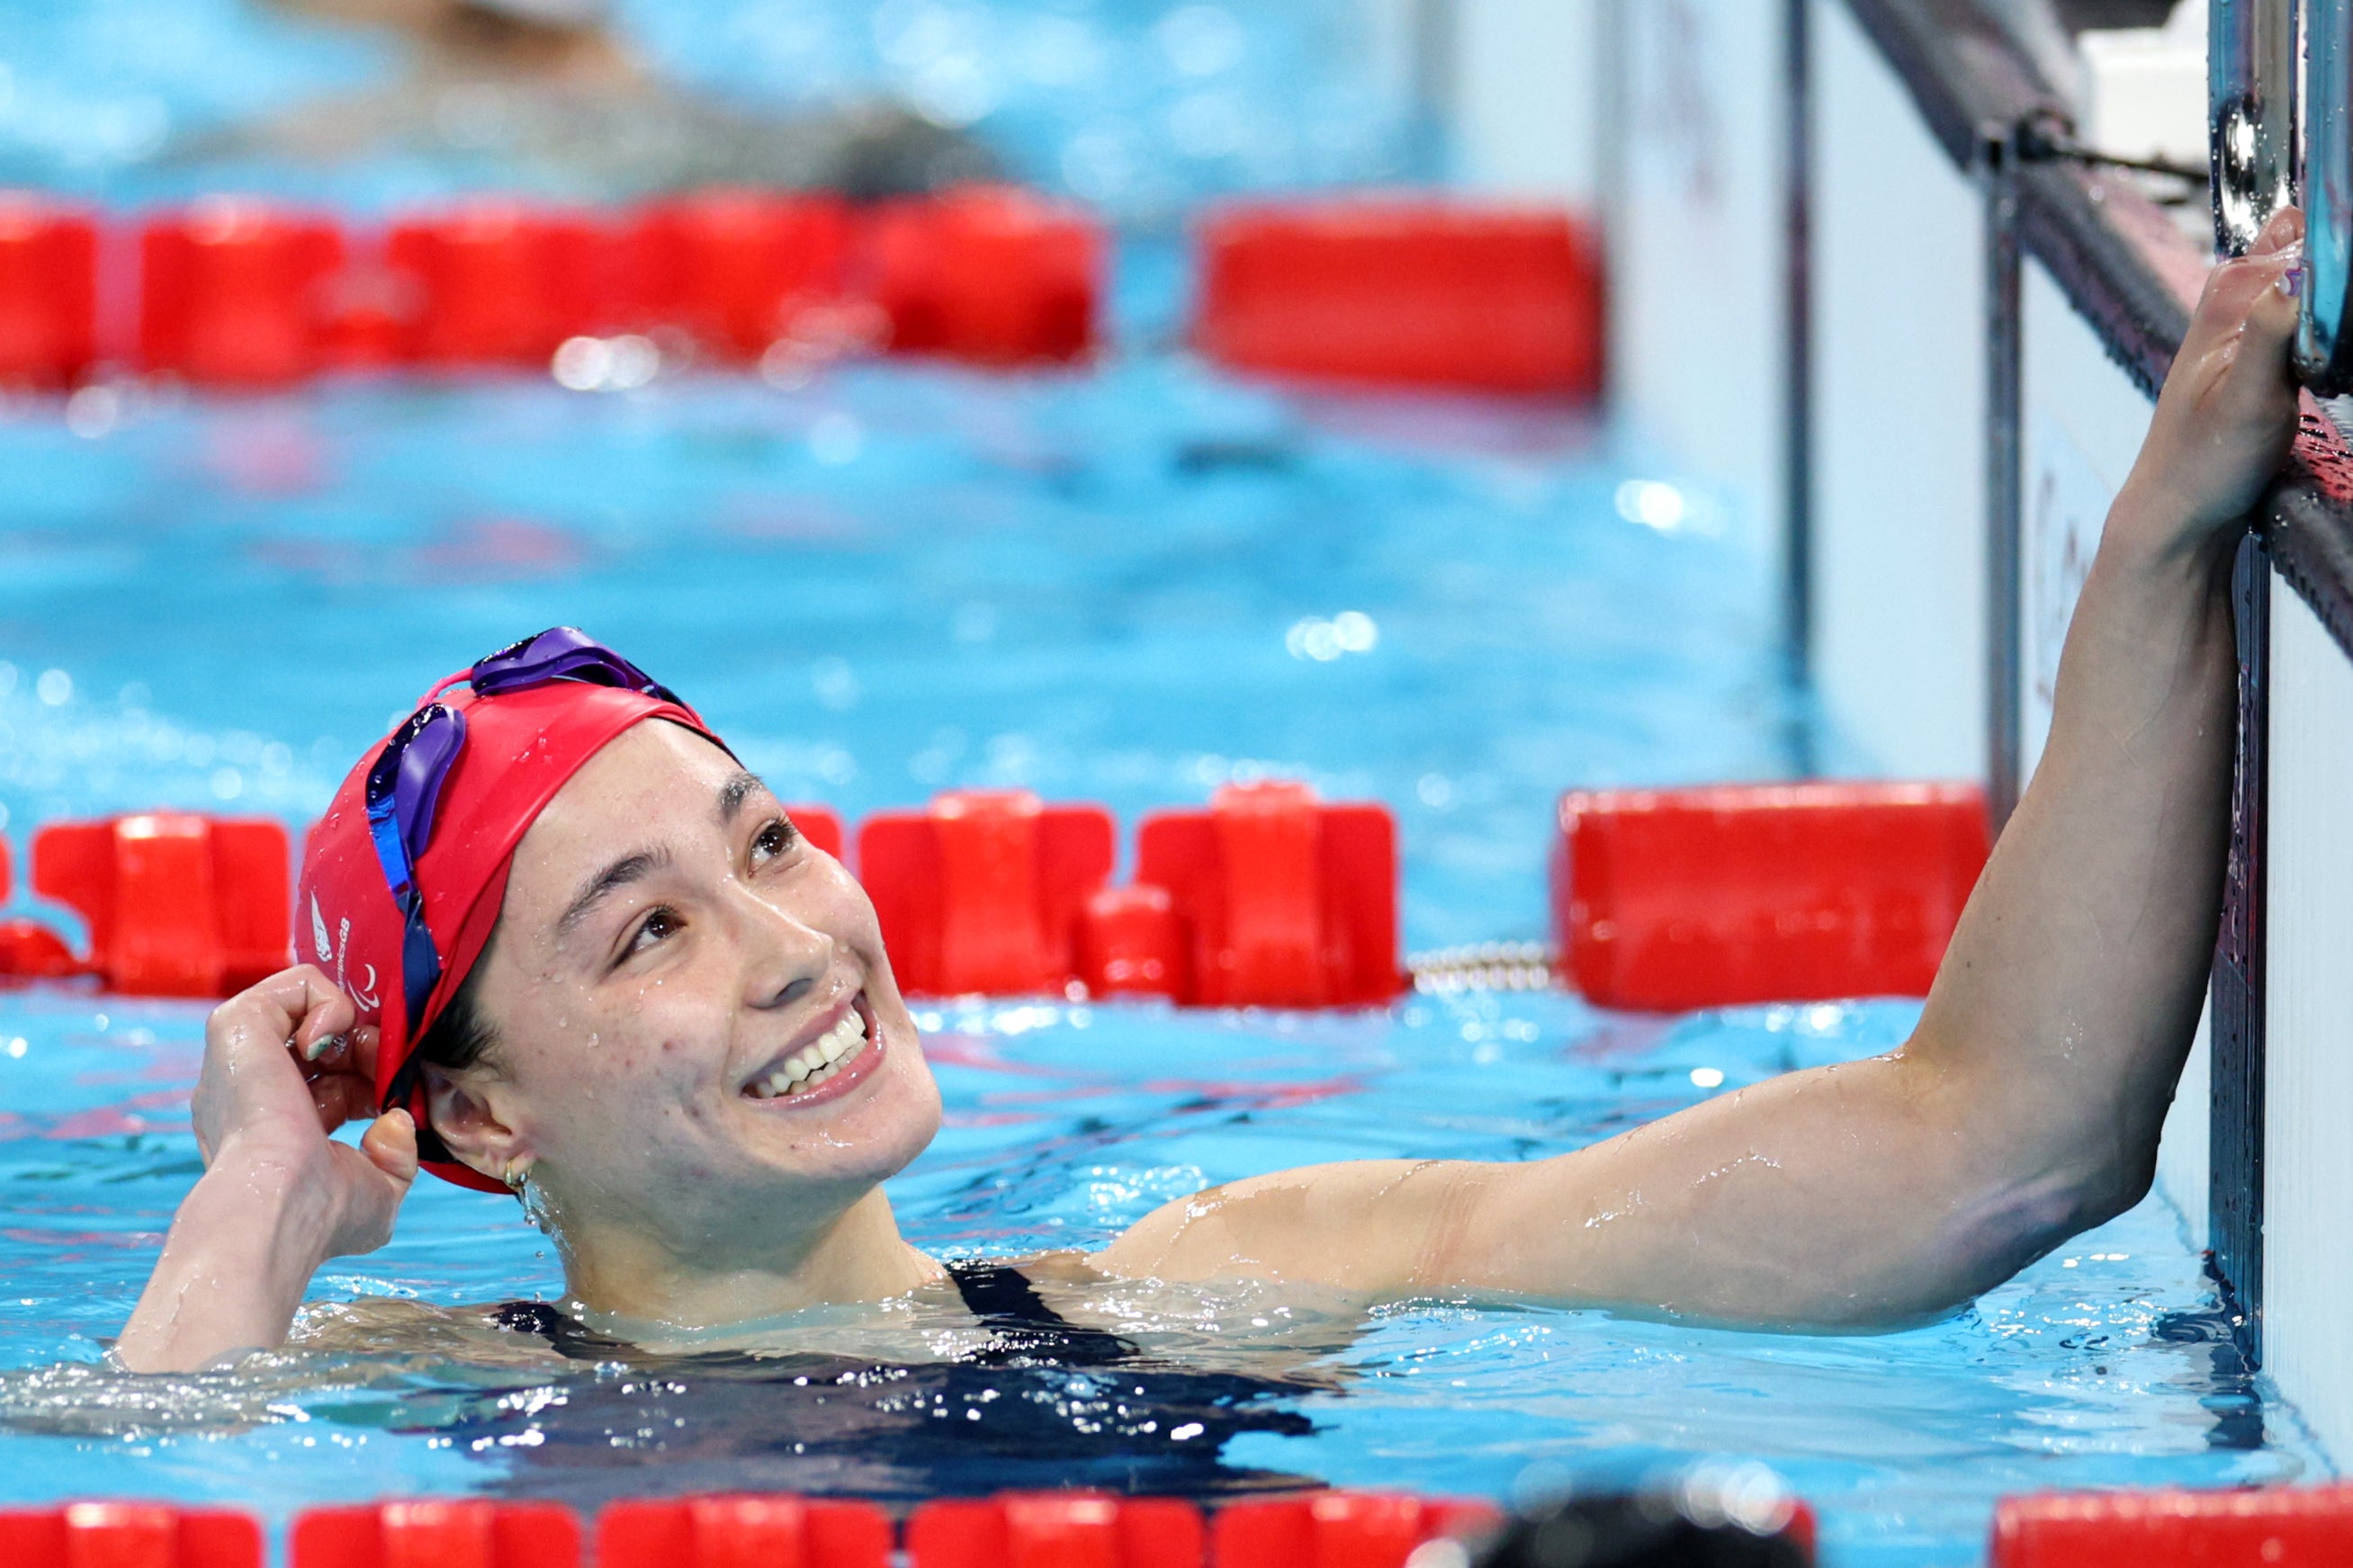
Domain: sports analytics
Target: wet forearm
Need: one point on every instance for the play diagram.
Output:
(241, 1252)
(2073, 988)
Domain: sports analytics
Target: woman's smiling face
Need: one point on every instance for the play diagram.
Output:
(698, 1039)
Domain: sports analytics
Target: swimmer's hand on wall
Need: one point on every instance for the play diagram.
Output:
(284, 1067)
(2227, 416)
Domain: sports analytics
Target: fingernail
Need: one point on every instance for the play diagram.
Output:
(319, 1047)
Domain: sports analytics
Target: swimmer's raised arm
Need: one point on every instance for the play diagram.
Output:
(2027, 1105)
(278, 1197)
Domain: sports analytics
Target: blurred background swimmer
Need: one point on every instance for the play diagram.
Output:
(550, 91)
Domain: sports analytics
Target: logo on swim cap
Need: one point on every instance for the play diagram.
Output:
(331, 953)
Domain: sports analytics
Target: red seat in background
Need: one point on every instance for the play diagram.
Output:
(178, 905)
(1666, 901)
(1286, 901)
(738, 270)
(988, 273)
(1404, 292)
(2276, 1527)
(981, 892)
(743, 1531)
(48, 291)
(1058, 1530)
(501, 282)
(233, 292)
(129, 1535)
(463, 1533)
(1340, 1530)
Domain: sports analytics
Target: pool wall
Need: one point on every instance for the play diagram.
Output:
(1945, 352)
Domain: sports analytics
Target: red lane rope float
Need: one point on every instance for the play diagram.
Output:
(1268, 898)
(940, 266)
(743, 1531)
(981, 892)
(235, 293)
(49, 293)
(1668, 900)
(1359, 1529)
(1404, 290)
(505, 283)
(2287, 1527)
(445, 1533)
(820, 825)
(1133, 942)
(129, 1534)
(29, 950)
(1286, 901)
(1057, 1530)
(178, 905)
(741, 271)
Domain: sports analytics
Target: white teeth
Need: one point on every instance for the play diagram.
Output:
(815, 1063)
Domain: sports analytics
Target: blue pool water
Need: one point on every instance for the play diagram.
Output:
(1106, 584)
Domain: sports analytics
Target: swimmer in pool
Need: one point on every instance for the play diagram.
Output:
(631, 993)
(547, 87)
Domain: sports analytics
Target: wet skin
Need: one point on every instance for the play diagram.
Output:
(632, 1036)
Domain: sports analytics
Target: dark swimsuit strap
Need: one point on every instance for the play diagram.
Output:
(1005, 1301)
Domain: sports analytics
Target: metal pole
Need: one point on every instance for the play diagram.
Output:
(2005, 626)
(1797, 424)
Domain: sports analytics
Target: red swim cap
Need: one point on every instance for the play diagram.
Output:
(519, 749)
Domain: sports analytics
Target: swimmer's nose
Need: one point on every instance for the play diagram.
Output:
(785, 959)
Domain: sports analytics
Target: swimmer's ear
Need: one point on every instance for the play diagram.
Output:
(467, 1124)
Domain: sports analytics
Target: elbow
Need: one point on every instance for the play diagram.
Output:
(2021, 1222)
(2101, 1195)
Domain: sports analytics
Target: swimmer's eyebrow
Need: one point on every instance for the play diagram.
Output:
(628, 868)
(738, 789)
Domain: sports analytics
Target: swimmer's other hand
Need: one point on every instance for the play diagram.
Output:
(284, 1067)
(2228, 413)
